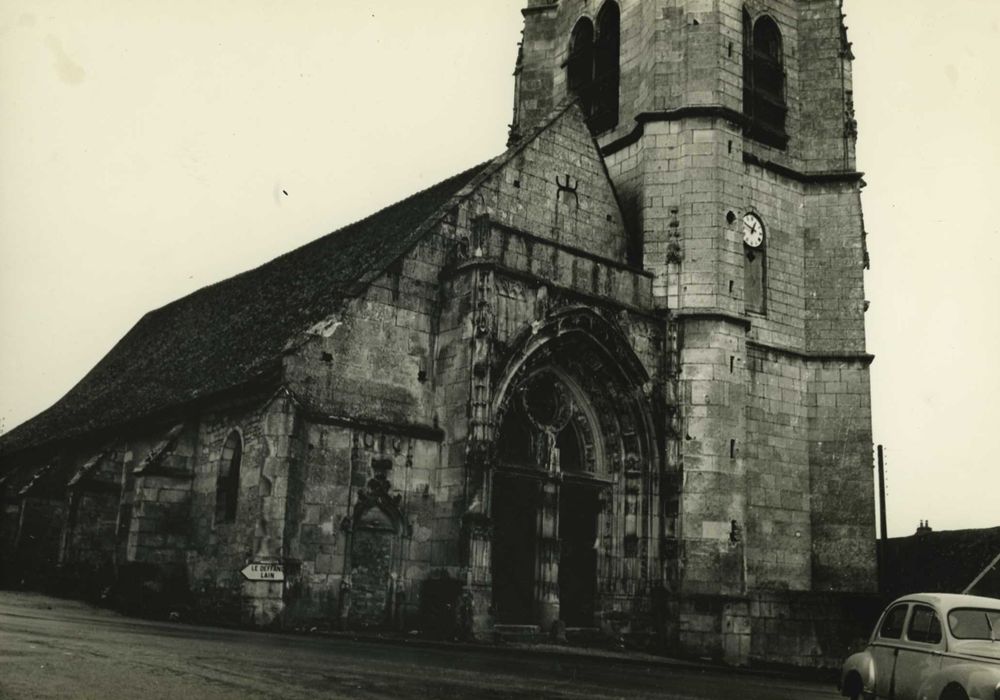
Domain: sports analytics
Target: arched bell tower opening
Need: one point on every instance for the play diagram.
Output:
(573, 480)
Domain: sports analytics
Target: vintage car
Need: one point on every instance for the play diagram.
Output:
(930, 646)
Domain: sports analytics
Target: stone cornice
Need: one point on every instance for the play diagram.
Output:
(572, 250)
(863, 358)
(165, 472)
(539, 9)
(420, 431)
(711, 314)
(818, 178)
(531, 277)
(738, 119)
(671, 115)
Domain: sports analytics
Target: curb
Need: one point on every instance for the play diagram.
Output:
(576, 654)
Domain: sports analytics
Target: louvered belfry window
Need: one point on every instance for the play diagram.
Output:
(764, 103)
(593, 71)
(607, 71)
(580, 68)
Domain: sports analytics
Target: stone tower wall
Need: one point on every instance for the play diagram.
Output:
(776, 449)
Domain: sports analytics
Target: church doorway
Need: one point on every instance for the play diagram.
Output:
(566, 473)
(545, 508)
(578, 510)
(515, 517)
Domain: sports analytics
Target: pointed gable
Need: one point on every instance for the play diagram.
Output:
(555, 185)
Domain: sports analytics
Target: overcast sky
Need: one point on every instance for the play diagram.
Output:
(145, 149)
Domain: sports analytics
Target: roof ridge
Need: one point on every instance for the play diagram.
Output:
(325, 236)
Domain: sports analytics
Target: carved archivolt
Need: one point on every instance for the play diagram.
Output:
(575, 381)
(571, 412)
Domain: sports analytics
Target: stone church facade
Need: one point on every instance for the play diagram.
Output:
(612, 381)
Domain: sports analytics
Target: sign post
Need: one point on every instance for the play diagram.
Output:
(261, 571)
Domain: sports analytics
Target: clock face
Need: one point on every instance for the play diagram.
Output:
(753, 230)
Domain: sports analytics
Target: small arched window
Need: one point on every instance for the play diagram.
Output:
(607, 69)
(580, 67)
(227, 481)
(764, 103)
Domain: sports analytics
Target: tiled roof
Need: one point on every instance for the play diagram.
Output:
(232, 332)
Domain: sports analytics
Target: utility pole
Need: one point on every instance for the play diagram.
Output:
(883, 548)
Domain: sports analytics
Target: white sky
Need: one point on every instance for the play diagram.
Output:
(144, 147)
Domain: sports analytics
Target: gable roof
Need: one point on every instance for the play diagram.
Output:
(234, 331)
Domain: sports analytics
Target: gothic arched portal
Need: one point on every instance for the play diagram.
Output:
(574, 477)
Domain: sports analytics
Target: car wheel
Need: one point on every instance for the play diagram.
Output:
(853, 688)
(954, 692)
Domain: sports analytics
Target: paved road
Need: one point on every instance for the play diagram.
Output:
(61, 649)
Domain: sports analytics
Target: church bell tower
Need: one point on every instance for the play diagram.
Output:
(727, 128)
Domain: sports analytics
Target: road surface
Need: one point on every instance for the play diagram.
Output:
(52, 648)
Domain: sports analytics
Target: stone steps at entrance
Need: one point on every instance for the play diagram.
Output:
(585, 635)
(581, 636)
(518, 633)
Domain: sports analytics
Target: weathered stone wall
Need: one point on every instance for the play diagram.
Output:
(556, 188)
(316, 536)
(10, 515)
(715, 626)
(826, 94)
(219, 549)
(713, 511)
(809, 629)
(34, 543)
(368, 360)
(161, 514)
(779, 524)
(90, 537)
(334, 584)
(805, 629)
(39, 540)
(834, 270)
(89, 544)
(780, 202)
(10, 518)
(840, 456)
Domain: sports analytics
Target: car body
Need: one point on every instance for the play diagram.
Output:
(930, 646)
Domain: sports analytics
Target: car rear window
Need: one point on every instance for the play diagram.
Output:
(974, 623)
(892, 625)
(924, 626)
